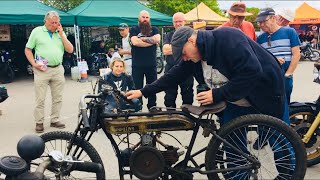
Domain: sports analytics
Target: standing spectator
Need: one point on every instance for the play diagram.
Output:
(187, 85)
(125, 51)
(237, 13)
(284, 17)
(144, 39)
(302, 37)
(282, 42)
(309, 37)
(49, 42)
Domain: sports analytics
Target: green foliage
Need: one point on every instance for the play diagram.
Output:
(253, 17)
(64, 5)
(170, 7)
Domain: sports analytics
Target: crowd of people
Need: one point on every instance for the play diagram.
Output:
(253, 74)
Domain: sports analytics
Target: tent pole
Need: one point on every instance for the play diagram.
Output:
(79, 48)
(76, 41)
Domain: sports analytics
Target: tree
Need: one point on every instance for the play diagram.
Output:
(173, 6)
(64, 5)
(253, 17)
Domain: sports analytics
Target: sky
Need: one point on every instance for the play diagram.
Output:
(276, 5)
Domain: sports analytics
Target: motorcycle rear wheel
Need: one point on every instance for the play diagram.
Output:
(314, 56)
(305, 115)
(81, 149)
(274, 137)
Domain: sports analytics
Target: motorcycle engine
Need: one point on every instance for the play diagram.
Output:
(148, 162)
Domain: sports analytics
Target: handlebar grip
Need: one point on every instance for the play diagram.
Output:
(88, 167)
(85, 118)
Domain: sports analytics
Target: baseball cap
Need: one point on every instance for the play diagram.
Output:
(122, 26)
(287, 14)
(239, 9)
(179, 38)
(264, 13)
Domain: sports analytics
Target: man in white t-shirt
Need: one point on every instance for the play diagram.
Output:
(125, 51)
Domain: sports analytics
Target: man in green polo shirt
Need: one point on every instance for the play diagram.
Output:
(49, 42)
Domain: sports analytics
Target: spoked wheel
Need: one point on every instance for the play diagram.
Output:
(81, 150)
(301, 119)
(314, 56)
(277, 148)
(160, 65)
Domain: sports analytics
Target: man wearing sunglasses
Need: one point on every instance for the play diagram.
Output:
(282, 42)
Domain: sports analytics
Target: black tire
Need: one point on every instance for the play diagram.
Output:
(160, 65)
(8, 74)
(314, 56)
(285, 138)
(67, 67)
(304, 116)
(59, 140)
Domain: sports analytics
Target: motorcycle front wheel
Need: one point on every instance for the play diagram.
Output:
(301, 118)
(314, 55)
(81, 150)
(278, 149)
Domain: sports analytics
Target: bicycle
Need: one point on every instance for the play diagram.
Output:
(229, 154)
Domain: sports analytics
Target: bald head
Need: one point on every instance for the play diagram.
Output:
(178, 20)
(144, 17)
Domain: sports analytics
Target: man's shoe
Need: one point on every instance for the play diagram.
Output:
(39, 128)
(58, 125)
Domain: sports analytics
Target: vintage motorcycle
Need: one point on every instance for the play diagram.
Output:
(31, 147)
(97, 61)
(6, 67)
(229, 153)
(305, 119)
(308, 53)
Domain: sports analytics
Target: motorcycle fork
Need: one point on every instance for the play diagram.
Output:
(311, 130)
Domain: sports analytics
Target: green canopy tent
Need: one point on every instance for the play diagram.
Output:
(29, 12)
(113, 12)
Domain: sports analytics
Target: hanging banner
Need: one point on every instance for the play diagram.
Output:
(5, 32)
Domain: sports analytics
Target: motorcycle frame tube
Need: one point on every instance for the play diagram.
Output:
(311, 130)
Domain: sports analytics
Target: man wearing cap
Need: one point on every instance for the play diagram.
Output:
(284, 17)
(144, 39)
(244, 75)
(187, 85)
(237, 14)
(282, 42)
(125, 51)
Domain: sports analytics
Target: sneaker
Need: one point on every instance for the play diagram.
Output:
(39, 128)
(256, 145)
(58, 125)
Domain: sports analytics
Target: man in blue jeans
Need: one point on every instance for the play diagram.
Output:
(243, 73)
(282, 42)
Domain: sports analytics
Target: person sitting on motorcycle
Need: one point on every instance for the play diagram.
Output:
(121, 81)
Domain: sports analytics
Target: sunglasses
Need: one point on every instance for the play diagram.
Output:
(121, 29)
(269, 40)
